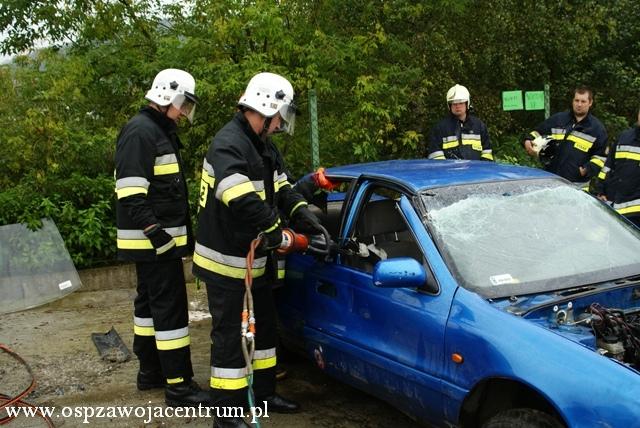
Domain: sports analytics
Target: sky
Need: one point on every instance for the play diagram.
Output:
(4, 59)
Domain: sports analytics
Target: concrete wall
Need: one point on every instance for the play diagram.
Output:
(118, 276)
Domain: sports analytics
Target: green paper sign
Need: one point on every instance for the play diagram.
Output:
(534, 100)
(511, 100)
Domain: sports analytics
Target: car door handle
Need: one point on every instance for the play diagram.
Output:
(327, 288)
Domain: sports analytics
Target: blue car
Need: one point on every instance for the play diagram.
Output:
(472, 294)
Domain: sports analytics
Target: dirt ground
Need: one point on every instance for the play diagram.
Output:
(55, 340)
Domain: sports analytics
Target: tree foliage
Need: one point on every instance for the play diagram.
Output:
(380, 68)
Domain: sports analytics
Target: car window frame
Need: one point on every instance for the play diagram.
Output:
(360, 193)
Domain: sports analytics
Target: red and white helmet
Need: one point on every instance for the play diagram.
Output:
(270, 94)
(176, 87)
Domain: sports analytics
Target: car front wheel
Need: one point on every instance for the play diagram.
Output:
(522, 418)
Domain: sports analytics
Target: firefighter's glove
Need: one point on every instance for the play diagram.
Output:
(271, 240)
(161, 240)
(304, 221)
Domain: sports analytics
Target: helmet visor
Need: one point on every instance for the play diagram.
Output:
(288, 118)
(186, 104)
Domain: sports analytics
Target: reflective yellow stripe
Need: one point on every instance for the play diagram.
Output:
(229, 271)
(475, 144)
(280, 184)
(275, 225)
(262, 194)
(534, 134)
(450, 145)
(175, 380)
(557, 136)
(597, 161)
(602, 175)
(298, 205)
(145, 244)
(487, 156)
(580, 143)
(221, 383)
(204, 192)
(264, 363)
(128, 191)
(167, 345)
(237, 191)
(134, 244)
(207, 178)
(439, 157)
(143, 331)
(170, 168)
(627, 210)
(628, 155)
(281, 273)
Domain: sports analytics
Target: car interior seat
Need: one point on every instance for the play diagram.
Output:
(382, 227)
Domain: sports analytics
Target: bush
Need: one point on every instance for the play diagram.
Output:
(81, 207)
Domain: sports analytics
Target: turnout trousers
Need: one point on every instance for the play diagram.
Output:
(229, 381)
(161, 320)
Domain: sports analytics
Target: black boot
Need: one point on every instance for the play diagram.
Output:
(230, 423)
(186, 394)
(278, 404)
(149, 379)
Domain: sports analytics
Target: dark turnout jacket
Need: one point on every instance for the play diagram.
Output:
(150, 187)
(620, 176)
(243, 188)
(454, 139)
(581, 144)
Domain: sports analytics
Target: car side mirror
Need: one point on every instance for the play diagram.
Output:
(401, 272)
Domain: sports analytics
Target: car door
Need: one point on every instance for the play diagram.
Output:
(387, 341)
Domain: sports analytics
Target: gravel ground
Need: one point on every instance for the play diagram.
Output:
(56, 342)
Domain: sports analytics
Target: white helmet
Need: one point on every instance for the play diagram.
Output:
(539, 143)
(269, 94)
(177, 87)
(458, 94)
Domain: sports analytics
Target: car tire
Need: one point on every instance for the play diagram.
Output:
(522, 418)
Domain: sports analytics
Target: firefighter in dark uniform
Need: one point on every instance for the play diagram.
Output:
(581, 140)
(459, 135)
(154, 231)
(620, 176)
(244, 188)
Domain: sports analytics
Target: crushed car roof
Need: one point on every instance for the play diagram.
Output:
(421, 174)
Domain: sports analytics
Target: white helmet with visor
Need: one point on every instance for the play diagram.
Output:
(269, 94)
(175, 87)
(458, 94)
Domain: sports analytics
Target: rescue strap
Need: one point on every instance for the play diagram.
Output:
(248, 326)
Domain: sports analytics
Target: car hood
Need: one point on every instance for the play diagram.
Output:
(604, 317)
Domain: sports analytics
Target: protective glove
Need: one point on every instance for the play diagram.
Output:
(304, 221)
(161, 240)
(271, 240)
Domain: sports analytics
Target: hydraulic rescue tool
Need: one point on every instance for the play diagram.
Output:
(291, 242)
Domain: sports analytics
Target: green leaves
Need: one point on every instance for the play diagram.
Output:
(381, 70)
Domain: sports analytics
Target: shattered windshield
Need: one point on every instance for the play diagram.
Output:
(528, 236)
